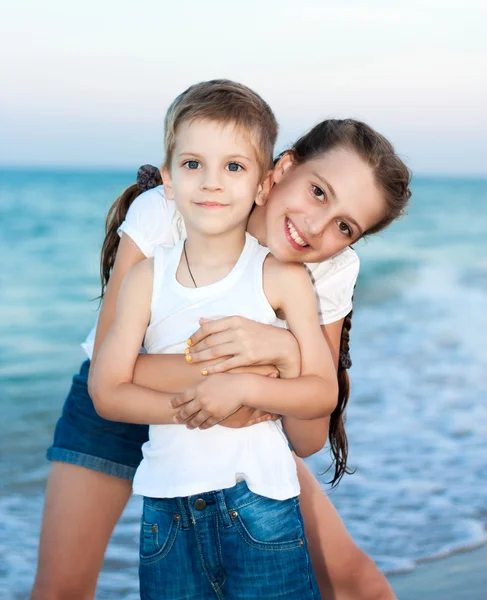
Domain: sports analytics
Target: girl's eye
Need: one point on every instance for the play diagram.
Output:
(319, 193)
(234, 167)
(192, 164)
(344, 228)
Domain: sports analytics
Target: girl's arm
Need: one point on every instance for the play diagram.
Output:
(114, 394)
(311, 396)
(308, 437)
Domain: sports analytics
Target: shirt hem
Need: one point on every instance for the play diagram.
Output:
(137, 238)
(183, 492)
(341, 314)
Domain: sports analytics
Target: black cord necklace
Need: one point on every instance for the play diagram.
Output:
(187, 264)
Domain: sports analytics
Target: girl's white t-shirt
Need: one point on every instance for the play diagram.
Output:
(152, 220)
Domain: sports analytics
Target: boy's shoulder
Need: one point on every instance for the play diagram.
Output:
(284, 274)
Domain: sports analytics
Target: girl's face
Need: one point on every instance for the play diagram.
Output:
(318, 208)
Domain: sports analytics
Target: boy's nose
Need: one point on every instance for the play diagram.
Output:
(211, 182)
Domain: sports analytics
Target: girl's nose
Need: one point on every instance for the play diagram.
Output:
(316, 221)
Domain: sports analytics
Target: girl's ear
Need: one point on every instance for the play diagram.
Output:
(264, 189)
(167, 182)
(282, 166)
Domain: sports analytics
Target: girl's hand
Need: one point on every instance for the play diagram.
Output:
(210, 402)
(241, 342)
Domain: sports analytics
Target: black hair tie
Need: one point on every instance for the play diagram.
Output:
(148, 177)
(345, 361)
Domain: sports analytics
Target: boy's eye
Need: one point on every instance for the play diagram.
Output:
(192, 164)
(318, 193)
(234, 167)
(344, 228)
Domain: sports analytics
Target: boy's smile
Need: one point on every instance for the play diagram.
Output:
(214, 176)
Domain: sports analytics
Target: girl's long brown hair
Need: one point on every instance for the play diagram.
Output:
(393, 178)
(148, 177)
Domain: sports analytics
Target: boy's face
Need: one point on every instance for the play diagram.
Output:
(214, 176)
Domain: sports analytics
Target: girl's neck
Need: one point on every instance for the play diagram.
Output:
(256, 224)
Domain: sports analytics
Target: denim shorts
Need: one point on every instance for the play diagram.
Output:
(83, 438)
(226, 544)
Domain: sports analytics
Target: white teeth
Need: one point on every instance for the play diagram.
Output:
(295, 235)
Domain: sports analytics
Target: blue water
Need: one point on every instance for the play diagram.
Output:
(417, 421)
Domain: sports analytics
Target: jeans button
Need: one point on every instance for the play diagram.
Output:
(199, 504)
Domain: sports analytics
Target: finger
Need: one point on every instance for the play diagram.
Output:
(225, 365)
(197, 419)
(221, 351)
(187, 412)
(273, 375)
(215, 339)
(182, 398)
(263, 419)
(209, 423)
(210, 328)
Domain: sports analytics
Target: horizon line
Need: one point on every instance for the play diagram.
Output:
(82, 168)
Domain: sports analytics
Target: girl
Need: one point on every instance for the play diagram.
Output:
(339, 174)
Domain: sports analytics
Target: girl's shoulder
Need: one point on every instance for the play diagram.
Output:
(334, 282)
(153, 220)
(344, 266)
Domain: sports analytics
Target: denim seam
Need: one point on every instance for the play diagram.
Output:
(164, 551)
(220, 550)
(253, 501)
(95, 463)
(202, 558)
(272, 546)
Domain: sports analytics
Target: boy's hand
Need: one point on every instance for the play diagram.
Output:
(245, 417)
(213, 400)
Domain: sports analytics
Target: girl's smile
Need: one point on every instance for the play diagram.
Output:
(318, 208)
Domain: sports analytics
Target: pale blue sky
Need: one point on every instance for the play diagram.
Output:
(88, 83)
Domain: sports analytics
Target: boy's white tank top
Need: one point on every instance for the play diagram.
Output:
(182, 462)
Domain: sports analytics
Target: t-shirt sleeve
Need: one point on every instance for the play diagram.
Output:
(149, 221)
(334, 287)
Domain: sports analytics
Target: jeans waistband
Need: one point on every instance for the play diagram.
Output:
(199, 506)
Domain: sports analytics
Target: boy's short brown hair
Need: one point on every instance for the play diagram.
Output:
(224, 101)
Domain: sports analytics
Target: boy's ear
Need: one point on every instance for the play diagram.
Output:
(264, 190)
(282, 166)
(167, 182)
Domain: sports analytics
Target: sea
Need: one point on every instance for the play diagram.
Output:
(417, 417)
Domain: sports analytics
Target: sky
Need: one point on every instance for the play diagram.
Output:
(87, 84)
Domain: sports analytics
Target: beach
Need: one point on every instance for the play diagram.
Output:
(458, 577)
(417, 416)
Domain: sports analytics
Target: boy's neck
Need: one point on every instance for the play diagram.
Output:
(212, 251)
(256, 224)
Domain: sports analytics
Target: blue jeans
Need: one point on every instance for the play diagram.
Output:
(229, 544)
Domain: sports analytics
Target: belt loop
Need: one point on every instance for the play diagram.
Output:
(183, 513)
(222, 505)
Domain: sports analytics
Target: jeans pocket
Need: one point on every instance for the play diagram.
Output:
(270, 524)
(158, 532)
